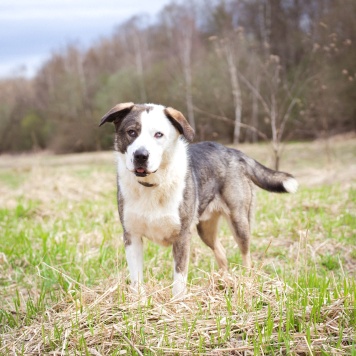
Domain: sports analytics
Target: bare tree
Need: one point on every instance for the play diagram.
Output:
(255, 106)
(231, 59)
(231, 48)
(278, 98)
(229, 45)
(181, 26)
(134, 36)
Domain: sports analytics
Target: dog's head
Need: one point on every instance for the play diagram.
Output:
(146, 133)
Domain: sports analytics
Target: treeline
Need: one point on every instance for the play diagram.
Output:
(239, 70)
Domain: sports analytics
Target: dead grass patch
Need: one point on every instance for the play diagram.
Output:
(223, 315)
(299, 298)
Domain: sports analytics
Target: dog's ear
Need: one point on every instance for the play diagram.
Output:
(119, 111)
(180, 123)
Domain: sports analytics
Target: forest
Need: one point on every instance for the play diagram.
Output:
(240, 71)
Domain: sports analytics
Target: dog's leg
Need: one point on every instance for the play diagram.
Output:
(241, 230)
(240, 217)
(134, 257)
(181, 250)
(208, 232)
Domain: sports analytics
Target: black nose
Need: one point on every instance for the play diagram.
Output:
(141, 155)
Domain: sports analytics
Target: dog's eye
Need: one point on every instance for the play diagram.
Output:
(158, 134)
(132, 133)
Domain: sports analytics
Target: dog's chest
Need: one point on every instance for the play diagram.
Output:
(152, 213)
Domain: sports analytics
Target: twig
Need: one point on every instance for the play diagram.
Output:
(232, 122)
(127, 340)
(67, 277)
(310, 351)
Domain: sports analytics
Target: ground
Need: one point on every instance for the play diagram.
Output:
(63, 274)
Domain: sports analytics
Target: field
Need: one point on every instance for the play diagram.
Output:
(63, 277)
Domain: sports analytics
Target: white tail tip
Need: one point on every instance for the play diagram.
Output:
(290, 185)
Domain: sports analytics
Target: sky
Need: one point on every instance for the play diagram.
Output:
(30, 30)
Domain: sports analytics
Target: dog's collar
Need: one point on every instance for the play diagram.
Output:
(145, 184)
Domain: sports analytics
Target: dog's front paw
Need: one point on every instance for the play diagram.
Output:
(179, 290)
(138, 290)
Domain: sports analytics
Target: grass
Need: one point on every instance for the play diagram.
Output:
(63, 276)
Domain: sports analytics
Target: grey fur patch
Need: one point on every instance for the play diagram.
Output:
(132, 121)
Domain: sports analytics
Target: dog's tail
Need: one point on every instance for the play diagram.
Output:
(268, 179)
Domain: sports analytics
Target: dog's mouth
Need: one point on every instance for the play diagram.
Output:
(141, 172)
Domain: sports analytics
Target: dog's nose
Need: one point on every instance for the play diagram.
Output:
(141, 155)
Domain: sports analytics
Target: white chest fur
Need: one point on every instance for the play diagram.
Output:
(153, 212)
(158, 222)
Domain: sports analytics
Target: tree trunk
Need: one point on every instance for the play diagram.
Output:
(188, 84)
(254, 114)
(139, 67)
(277, 156)
(236, 91)
(275, 138)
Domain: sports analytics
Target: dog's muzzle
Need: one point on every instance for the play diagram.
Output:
(140, 161)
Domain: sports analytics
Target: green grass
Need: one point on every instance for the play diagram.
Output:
(63, 278)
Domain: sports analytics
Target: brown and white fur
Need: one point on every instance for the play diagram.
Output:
(167, 186)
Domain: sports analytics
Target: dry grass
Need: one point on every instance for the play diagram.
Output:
(66, 291)
(199, 323)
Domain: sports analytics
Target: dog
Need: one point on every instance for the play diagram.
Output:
(167, 185)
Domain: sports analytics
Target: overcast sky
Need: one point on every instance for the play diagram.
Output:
(31, 29)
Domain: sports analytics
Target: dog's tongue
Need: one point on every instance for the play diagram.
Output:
(140, 170)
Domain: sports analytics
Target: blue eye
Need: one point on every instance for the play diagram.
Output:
(158, 134)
